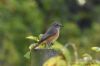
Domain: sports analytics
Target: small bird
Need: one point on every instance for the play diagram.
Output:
(50, 35)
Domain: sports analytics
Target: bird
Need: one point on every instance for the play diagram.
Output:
(51, 35)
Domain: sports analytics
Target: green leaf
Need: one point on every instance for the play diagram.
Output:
(32, 38)
(97, 49)
(27, 55)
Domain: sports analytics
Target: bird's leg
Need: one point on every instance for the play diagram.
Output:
(48, 45)
(45, 45)
(52, 44)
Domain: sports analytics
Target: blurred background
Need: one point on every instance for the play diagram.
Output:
(21, 18)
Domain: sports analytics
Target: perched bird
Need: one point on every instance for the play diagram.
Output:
(50, 35)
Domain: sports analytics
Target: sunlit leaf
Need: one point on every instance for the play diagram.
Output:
(55, 61)
(58, 46)
(97, 49)
(32, 46)
(32, 38)
(27, 55)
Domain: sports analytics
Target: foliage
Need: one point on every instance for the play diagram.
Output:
(64, 57)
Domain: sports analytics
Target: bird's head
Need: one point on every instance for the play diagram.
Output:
(57, 24)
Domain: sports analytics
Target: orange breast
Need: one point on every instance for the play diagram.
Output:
(52, 38)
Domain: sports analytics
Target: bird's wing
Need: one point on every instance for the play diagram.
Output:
(50, 32)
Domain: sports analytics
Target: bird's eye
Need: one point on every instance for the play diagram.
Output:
(57, 24)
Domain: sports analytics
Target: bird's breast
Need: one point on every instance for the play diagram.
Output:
(54, 37)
